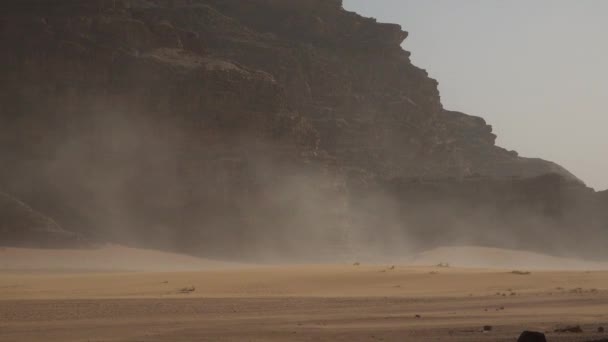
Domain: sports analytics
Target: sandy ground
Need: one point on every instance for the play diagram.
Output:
(43, 299)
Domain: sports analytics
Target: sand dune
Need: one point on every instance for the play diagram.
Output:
(107, 258)
(483, 257)
(120, 258)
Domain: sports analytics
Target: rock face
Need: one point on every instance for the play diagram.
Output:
(546, 213)
(234, 127)
(118, 132)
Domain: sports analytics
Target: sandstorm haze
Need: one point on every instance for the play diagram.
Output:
(266, 129)
(534, 69)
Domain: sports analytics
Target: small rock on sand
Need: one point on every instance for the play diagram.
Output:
(570, 329)
(532, 336)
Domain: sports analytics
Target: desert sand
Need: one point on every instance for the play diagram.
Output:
(122, 294)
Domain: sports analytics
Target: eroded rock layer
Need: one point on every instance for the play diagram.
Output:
(24, 227)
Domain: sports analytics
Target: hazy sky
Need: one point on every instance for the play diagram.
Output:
(535, 69)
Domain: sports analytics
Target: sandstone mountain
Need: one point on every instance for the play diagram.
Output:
(256, 127)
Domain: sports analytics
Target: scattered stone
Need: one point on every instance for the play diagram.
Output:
(357, 264)
(532, 336)
(418, 316)
(187, 290)
(576, 329)
(487, 328)
(521, 272)
(601, 330)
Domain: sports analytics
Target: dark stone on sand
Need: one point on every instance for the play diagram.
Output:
(532, 336)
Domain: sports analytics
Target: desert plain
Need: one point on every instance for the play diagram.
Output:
(122, 294)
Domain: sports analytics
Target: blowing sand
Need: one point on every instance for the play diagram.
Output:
(70, 299)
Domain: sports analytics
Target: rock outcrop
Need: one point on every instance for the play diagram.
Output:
(375, 110)
(24, 227)
(235, 127)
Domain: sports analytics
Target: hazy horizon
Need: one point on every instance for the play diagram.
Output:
(534, 70)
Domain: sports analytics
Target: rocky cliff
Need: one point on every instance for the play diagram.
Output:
(247, 125)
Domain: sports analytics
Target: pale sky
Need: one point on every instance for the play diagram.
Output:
(534, 69)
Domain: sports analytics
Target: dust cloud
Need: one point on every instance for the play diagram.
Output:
(120, 174)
